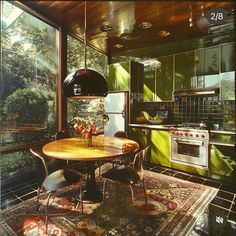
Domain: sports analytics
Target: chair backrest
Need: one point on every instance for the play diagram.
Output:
(49, 164)
(121, 134)
(62, 134)
(138, 161)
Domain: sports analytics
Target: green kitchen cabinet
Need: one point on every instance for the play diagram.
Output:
(222, 164)
(126, 76)
(158, 80)
(141, 136)
(184, 69)
(118, 76)
(164, 82)
(160, 148)
(227, 75)
(149, 86)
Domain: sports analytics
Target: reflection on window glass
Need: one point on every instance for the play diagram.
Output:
(184, 69)
(17, 164)
(228, 85)
(89, 109)
(212, 81)
(29, 74)
(211, 64)
(227, 57)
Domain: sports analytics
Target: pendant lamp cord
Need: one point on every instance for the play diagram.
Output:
(85, 35)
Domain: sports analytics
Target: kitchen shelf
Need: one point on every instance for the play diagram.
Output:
(222, 138)
(221, 143)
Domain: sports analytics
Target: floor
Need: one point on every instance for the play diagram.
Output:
(219, 217)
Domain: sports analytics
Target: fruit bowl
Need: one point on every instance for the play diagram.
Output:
(155, 120)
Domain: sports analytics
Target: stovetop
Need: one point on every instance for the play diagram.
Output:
(189, 130)
(190, 126)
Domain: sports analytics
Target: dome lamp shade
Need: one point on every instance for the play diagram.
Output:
(85, 84)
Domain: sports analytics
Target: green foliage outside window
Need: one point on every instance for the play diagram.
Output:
(28, 75)
(29, 56)
(23, 104)
(89, 109)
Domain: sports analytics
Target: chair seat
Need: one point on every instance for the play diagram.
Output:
(60, 179)
(123, 174)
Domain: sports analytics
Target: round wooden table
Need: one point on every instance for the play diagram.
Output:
(103, 148)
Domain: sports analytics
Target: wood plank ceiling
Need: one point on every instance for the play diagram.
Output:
(169, 21)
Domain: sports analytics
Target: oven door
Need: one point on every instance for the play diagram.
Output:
(189, 152)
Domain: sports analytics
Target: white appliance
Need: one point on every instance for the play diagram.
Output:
(116, 106)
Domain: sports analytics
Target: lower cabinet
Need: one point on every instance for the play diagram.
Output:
(159, 152)
(160, 148)
(222, 163)
(141, 136)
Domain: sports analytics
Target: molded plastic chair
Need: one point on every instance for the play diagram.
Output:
(117, 161)
(121, 134)
(121, 160)
(128, 175)
(56, 179)
(62, 134)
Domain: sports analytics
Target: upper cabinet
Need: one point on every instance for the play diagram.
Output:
(184, 69)
(227, 72)
(158, 80)
(149, 85)
(207, 67)
(118, 76)
(127, 76)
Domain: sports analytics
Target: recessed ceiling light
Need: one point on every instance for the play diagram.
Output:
(118, 45)
(105, 28)
(127, 36)
(164, 33)
(145, 25)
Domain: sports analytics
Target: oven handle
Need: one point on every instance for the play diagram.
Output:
(192, 142)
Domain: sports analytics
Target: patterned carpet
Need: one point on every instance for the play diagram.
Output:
(173, 207)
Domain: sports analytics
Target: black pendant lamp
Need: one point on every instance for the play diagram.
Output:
(85, 83)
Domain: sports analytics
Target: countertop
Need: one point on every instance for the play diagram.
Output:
(168, 126)
(149, 126)
(217, 137)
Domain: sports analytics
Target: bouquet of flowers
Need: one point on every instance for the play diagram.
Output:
(86, 127)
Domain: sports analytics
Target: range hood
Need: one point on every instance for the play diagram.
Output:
(196, 92)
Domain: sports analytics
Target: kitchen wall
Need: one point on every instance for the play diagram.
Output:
(192, 109)
(218, 109)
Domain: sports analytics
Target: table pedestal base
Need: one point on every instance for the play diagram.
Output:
(92, 193)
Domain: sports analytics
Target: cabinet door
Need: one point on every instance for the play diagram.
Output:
(184, 69)
(164, 79)
(136, 81)
(111, 77)
(160, 147)
(118, 76)
(141, 136)
(149, 85)
(122, 73)
(227, 75)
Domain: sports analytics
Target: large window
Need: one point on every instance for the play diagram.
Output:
(88, 109)
(28, 77)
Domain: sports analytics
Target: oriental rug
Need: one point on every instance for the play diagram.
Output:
(173, 207)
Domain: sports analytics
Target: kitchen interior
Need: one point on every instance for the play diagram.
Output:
(171, 78)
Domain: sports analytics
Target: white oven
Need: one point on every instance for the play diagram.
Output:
(189, 147)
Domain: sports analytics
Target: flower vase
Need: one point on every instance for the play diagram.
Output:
(88, 140)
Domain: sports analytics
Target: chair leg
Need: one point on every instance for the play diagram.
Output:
(132, 193)
(37, 201)
(81, 199)
(104, 190)
(47, 207)
(145, 192)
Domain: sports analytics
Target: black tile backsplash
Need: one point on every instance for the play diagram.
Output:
(191, 109)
